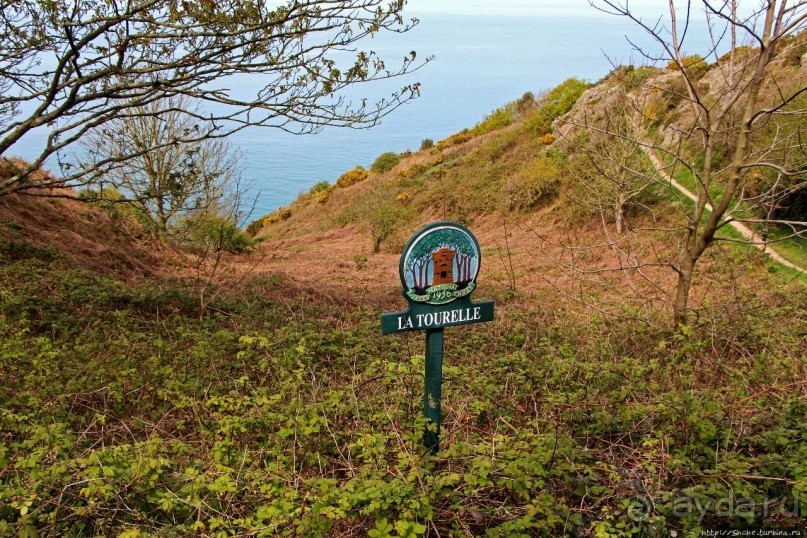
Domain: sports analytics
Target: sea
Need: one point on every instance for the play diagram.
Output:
(476, 55)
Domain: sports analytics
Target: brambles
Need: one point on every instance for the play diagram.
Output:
(308, 425)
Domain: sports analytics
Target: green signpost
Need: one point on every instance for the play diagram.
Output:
(438, 270)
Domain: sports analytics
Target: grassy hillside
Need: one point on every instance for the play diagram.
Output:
(542, 155)
(256, 395)
(524, 179)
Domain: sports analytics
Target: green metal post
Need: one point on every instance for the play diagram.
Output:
(434, 390)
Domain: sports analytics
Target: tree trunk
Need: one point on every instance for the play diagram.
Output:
(681, 302)
(162, 216)
(620, 214)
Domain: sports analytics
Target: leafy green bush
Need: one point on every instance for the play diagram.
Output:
(525, 103)
(319, 186)
(554, 104)
(385, 162)
(321, 191)
(216, 233)
(254, 227)
(499, 118)
(426, 143)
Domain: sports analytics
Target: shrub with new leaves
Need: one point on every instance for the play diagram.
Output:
(385, 162)
(384, 220)
(535, 182)
(499, 118)
(216, 233)
(554, 104)
(379, 213)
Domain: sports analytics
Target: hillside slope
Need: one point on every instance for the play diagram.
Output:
(522, 183)
(78, 235)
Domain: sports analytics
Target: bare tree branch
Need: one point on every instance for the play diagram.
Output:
(72, 67)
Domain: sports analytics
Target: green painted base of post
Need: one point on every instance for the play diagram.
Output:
(434, 391)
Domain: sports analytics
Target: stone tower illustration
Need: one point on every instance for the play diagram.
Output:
(443, 266)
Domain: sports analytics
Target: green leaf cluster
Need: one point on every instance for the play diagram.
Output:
(385, 162)
(555, 104)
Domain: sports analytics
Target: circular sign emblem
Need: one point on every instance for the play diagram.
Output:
(440, 264)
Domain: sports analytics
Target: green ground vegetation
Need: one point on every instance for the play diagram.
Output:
(126, 409)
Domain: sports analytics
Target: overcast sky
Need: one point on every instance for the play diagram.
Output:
(580, 8)
(521, 7)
